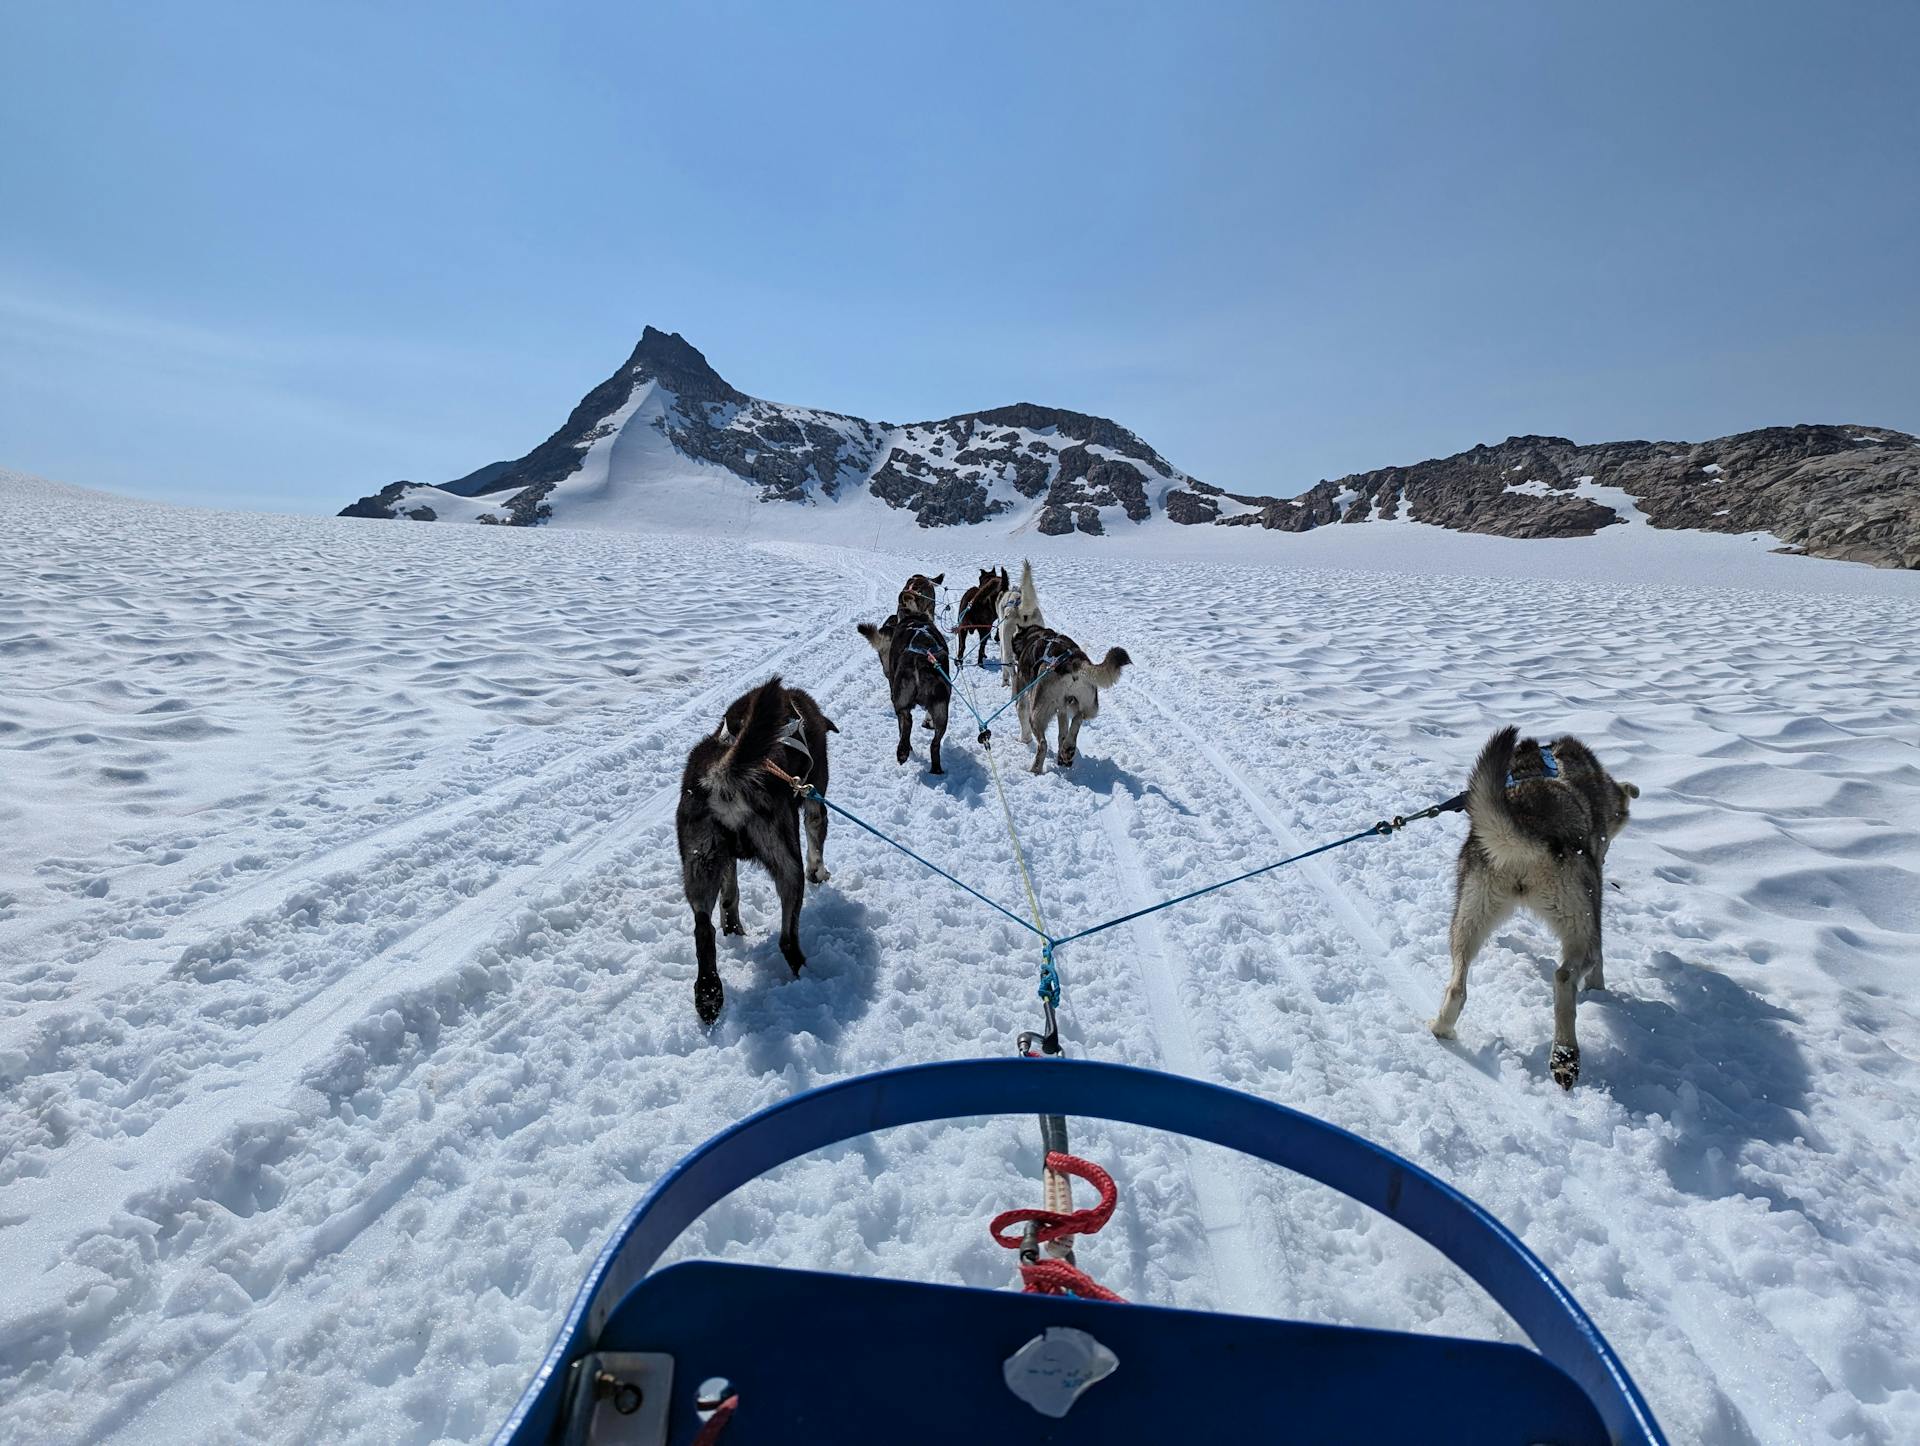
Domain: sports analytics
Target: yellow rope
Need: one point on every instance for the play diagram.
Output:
(1019, 854)
(1056, 1189)
(1006, 811)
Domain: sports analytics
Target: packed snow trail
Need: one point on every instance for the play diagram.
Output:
(337, 1041)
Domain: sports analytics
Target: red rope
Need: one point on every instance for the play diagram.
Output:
(1052, 1223)
(717, 1422)
(1056, 1277)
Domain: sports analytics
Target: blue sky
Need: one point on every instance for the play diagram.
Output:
(275, 256)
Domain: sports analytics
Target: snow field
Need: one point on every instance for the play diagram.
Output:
(314, 1127)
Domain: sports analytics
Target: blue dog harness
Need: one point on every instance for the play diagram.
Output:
(1547, 761)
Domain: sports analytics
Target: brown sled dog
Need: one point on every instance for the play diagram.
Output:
(979, 613)
(734, 806)
(1540, 820)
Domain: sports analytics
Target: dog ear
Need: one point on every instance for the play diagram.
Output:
(1633, 789)
(937, 578)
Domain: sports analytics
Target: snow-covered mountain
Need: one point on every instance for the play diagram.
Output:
(667, 438)
(667, 422)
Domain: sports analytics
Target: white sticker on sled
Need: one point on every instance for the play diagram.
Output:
(1050, 1371)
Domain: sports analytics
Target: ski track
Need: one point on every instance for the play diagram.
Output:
(315, 1128)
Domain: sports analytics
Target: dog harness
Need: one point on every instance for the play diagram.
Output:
(794, 735)
(923, 631)
(1547, 761)
(1060, 649)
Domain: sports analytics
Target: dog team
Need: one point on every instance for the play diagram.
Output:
(1540, 815)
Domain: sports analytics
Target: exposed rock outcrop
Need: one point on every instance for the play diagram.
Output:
(1846, 492)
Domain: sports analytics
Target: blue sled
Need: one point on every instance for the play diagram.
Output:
(836, 1359)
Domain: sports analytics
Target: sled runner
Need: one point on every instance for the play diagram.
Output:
(744, 1355)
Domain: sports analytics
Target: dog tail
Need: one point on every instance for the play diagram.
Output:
(1029, 599)
(1106, 672)
(1494, 824)
(766, 715)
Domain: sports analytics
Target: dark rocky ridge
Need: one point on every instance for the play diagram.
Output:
(1843, 492)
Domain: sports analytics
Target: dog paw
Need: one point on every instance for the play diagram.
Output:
(819, 875)
(708, 996)
(732, 926)
(901, 753)
(1440, 1030)
(1565, 1064)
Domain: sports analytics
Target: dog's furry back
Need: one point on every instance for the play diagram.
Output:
(1542, 818)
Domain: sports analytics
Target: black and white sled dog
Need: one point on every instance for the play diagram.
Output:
(1018, 608)
(914, 655)
(734, 806)
(1058, 680)
(1540, 820)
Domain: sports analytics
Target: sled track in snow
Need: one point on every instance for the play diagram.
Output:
(460, 1033)
(1240, 1275)
(129, 960)
(248, 1056)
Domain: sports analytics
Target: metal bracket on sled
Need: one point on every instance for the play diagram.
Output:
(619, 1398)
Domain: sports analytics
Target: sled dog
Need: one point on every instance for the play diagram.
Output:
(979, 613)
(910, 646)
(1064, 683)
(734, 806)
(917, 596)
(1540, 819)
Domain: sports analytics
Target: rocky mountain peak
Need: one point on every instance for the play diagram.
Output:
(667, 356)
